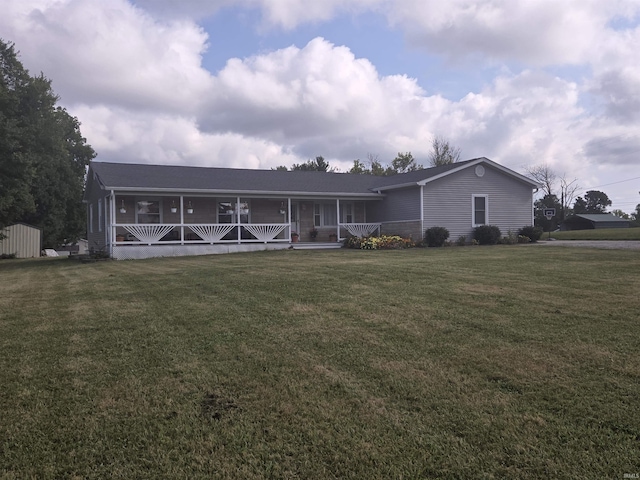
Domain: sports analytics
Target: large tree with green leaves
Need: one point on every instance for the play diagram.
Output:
(548, 201)
(43, 156)
(594, 201)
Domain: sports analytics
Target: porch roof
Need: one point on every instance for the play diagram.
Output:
(175, 179)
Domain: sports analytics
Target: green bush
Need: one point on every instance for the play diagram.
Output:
(487, 234)
(462, 241)
(534, 233)
(384, 242)
(435, 236)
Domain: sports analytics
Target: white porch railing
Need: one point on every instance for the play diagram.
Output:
(148, 233)
(151, 234)
(265, 232)
(211, 233)
(361, 229)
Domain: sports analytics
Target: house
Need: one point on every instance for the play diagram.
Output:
(584, 221)
(25, 241)
(141, 211)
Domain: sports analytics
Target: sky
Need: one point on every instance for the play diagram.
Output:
(263, 83)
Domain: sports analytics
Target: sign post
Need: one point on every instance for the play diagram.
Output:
(549, 213)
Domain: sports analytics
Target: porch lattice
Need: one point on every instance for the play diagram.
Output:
(211, 233)
(362, 229)
(148, 233)
(265, 233)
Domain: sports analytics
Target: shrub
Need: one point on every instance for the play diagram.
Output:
(534, 233)
(436, 236)
(385, 242)
(7, 256)
(523, 239)
(462, 241)
(487, 234)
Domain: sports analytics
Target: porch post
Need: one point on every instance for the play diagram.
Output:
(289, 210)
(181, 219)
(338, 218)
(237, 214)
(112, 221)
(421, 212)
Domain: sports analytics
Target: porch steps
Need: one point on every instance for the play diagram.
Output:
(315, 245)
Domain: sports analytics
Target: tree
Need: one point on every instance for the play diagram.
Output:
(317, 165)
(547, 178)
(442, 152)
(619, 213)
(43, 156)
(548, 201)
(594, 201)
(404, 162)
(544, 175)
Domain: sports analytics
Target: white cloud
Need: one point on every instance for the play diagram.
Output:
(138, 86)
(110, 52)
(140, 137)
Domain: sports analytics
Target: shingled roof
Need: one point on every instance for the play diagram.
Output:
(145, 177)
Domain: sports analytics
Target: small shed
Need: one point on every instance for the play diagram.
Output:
(584, 221)
(25, 241)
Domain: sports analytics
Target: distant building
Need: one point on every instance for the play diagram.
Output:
(25, 241)
(589, 221)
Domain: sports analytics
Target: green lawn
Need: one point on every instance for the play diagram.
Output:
(599, 234)
(477, 362)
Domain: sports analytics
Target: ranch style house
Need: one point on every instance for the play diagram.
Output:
(142, 211)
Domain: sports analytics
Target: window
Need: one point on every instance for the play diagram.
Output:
(228, 208)
(148, 211)
(325, 214)
(91, 218)
(99, 214)
(480, 211)
(346, 212)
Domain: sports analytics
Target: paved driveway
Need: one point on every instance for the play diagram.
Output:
(609, 244)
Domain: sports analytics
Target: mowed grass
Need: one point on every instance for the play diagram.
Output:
(597, 234)
(474, 362)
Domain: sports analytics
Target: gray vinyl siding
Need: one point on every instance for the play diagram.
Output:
(398, 205)
(96, 238)
(447, 202)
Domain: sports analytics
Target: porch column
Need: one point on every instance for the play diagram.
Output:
(338, 218)
(181, 219)
(237, 215)
(289, 210)
(112, 221)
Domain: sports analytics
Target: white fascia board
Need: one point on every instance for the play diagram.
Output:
(244, 193)
(396, 186)
(497, 166)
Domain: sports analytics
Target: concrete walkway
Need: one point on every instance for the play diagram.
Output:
(608, 244)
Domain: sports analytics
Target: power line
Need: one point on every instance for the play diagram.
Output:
(613, 183)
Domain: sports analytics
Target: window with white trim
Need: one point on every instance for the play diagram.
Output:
(148, 210)
(228, 208)
(325, 215)
(91, 218)
(480, 209)
(346, 212)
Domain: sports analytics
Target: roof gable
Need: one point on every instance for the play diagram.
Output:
(422, 177)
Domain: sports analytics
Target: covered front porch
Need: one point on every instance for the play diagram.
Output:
(170, 225)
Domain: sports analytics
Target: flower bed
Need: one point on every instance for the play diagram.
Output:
(384, 242)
